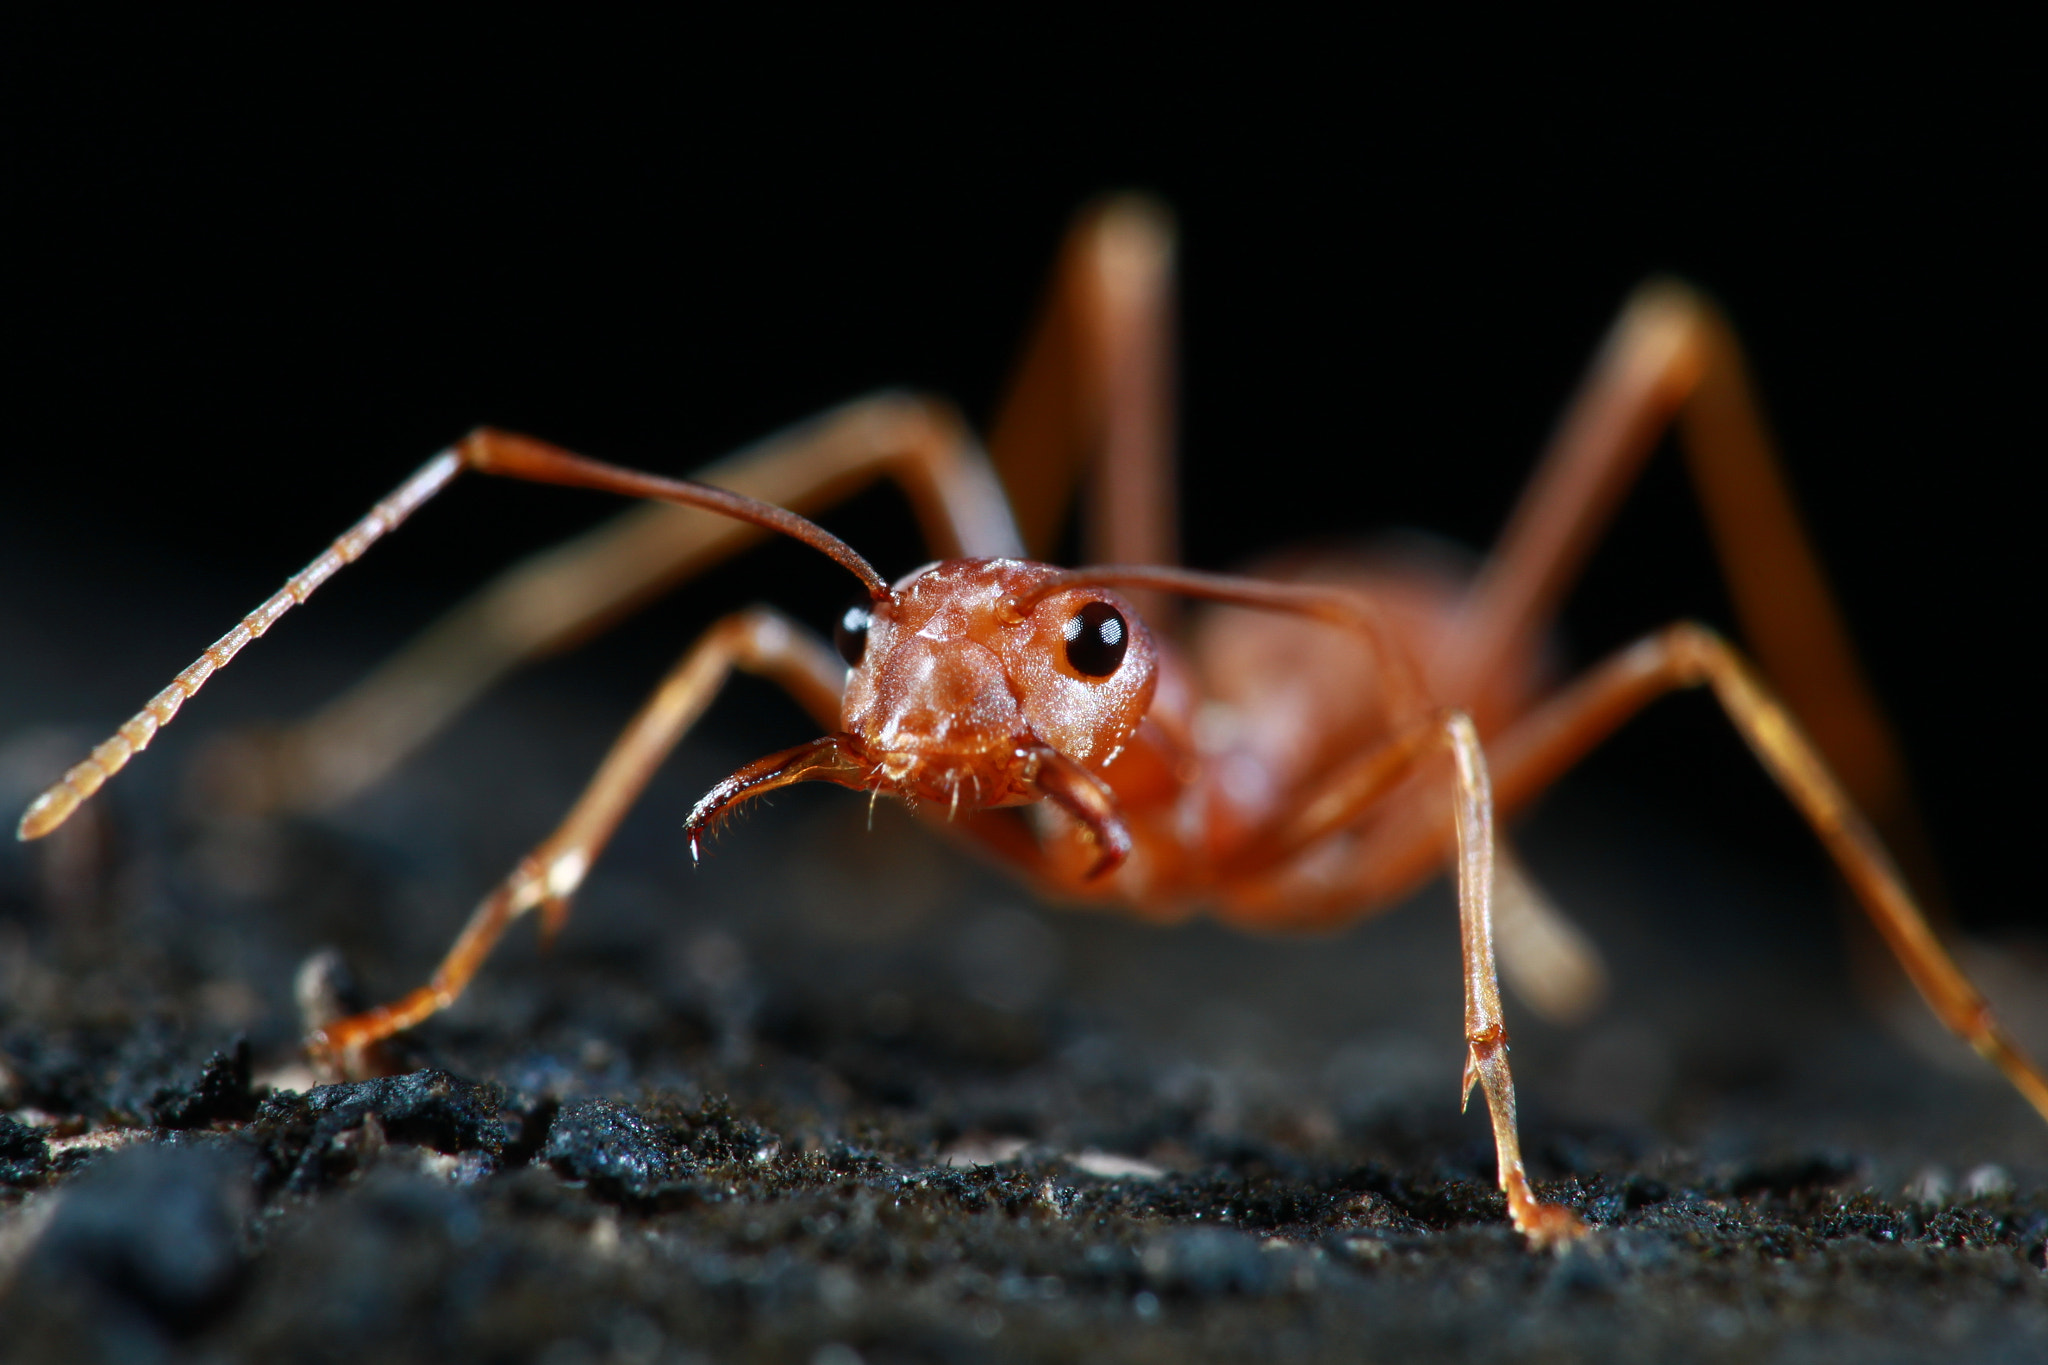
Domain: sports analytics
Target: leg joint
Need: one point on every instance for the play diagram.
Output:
(758, 638)
(1696, 651)
(478, 444)
(1488, 1040)
(922, 418)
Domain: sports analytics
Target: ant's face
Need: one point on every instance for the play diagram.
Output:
(969, 668)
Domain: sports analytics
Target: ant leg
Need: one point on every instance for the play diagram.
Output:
(756, 641)
(1531, 755)
(1469, 823)
(1549, 962)
(1671, 357)
(1411, 842)
(563, 595)
(1093, 394)
(1486, 1035)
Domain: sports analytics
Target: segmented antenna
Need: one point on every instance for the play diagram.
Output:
(54, 806)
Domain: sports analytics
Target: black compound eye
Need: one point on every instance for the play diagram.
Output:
(850, 631)
(1096, 639)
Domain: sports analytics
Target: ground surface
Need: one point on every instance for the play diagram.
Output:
(841, 1095)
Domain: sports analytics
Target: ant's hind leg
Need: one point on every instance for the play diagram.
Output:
(756, 641)
(1672, 358)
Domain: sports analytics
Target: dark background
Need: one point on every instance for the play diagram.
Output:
(255, 277)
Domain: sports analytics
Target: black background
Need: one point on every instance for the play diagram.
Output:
(255, 277)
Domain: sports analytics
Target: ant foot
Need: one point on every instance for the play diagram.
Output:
(1547, 1226)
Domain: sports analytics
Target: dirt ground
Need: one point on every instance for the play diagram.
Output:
(842, 1095)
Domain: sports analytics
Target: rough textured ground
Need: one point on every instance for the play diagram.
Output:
(841, 1095)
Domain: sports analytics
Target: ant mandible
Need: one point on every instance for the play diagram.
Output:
(1290, 767)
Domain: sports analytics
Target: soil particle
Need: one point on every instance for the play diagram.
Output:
(220, 1094)
(1207, 1262)
(616, 1151)
(24, 1154)
(143, 1251)
(310, 1140)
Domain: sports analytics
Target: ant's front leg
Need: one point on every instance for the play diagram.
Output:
(1264, 882)
(758, 641)
(1486, 1035)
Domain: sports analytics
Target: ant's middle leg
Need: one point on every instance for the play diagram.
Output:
(1533, 753)
(757, 641)
(1412, 840)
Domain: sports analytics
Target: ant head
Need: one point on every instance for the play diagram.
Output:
(970, 669)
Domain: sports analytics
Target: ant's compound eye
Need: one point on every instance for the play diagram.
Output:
(1096, 639)
(850, 631)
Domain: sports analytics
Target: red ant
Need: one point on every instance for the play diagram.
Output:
(1283, 767)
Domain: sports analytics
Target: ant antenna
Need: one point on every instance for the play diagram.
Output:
(484, 450)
